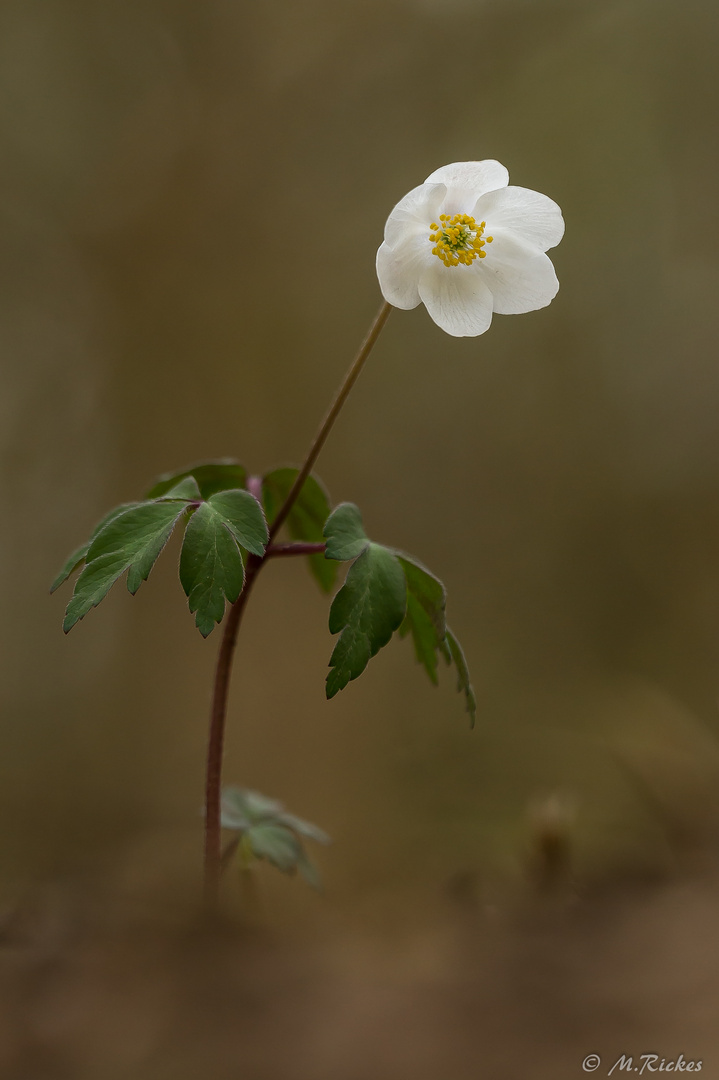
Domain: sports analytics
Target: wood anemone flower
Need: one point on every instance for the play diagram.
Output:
(465, 244)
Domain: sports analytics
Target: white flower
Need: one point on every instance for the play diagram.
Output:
(465, 245)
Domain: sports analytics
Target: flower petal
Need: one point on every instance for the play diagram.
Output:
(457, 299)
(414, 214)
(399, 271)
(532, 216)
(520, 276)
(467, 180)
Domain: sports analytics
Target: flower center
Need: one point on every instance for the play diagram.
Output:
(458, 239)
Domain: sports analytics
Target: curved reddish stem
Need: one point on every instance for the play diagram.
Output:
(213, 783)
(223, 670)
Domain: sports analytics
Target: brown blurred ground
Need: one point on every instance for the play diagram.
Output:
(560, 473)
(526, 989)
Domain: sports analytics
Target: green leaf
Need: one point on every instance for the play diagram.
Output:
(78, 557)
(367, 610)
(277, 844)
(211, 477)
(425, 620)
(453, 653)
(267, 831)
(427, 589)
(242, 514)
(308, 870)
(304, 828)
(344, 532)
(73, 563)
(185, 489)
(131, 540)
(305, 520)
(424, 636)
(280, 846)
(242, 807)
(211, 569)
(426, 599)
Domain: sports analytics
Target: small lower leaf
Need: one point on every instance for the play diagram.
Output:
(265, 830)
(276, 844)
(309, 871)
(242, 807)
(304, 828)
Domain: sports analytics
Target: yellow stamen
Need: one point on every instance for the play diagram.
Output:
(458, 241)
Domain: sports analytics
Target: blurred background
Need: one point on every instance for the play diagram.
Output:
(192, 198)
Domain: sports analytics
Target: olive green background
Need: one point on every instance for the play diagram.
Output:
(192, 198)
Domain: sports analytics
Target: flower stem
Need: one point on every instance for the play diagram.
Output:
(223, 669)
(332, 413)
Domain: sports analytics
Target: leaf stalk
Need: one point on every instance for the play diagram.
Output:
(298, 548)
